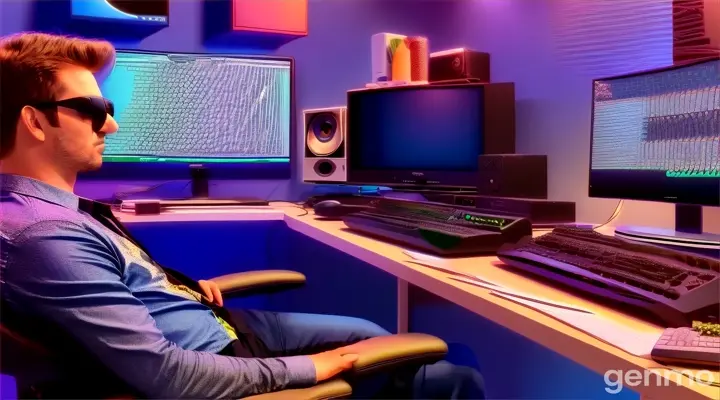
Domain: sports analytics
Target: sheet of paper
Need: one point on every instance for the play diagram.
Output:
(456, 274)
(625, 338)
(632, 341)
(423, 257)
(443, 265)
(520, 295)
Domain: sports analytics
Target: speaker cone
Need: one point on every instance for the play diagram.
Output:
(323, 137)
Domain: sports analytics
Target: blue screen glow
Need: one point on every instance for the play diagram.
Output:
(416, 129)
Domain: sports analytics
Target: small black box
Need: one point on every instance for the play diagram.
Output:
(459, 65)
(512, 175)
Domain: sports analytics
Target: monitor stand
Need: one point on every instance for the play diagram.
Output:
(199, 182)
(200, 193)
(688, 233)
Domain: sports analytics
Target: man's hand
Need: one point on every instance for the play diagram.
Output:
(331, 363)
(211, 291)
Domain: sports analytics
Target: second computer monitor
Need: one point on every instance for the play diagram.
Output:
(427, 136)
(656, 135)
(230, 113)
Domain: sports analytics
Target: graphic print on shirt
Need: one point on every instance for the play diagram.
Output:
(134, 255)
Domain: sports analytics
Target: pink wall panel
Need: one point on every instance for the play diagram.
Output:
(280, 16)
(695, 29)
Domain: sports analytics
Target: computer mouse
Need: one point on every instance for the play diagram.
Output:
(326, 204)
(336, 209)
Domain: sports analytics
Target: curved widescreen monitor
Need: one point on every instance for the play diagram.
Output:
(230, 113)
(656, 135)
(147, 12)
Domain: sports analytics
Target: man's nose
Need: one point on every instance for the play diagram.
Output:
(111, 126)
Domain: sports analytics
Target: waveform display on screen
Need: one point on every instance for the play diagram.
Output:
(206, 108)
(667, 121)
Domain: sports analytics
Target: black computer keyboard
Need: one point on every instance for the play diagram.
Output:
(438, 229)
(678, 288)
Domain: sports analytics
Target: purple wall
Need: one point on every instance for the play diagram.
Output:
(334, 57)
(552, 49)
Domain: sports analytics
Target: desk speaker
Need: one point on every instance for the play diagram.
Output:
(459, 65)
(325, 155)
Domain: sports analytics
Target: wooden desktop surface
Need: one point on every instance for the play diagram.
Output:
(536, 326)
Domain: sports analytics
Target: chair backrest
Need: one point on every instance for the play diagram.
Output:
(20, 356)
(42, 370)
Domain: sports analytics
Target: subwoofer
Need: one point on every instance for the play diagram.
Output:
(325, 145)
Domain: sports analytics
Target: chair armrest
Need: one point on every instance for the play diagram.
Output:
(374, 355)
(393, 351)
(254, 282)
(334, 389)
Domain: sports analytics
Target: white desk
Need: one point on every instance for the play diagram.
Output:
(549, 332)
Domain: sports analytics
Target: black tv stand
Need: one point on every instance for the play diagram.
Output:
(688, 233)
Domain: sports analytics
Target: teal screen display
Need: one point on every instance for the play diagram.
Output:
(198, 108)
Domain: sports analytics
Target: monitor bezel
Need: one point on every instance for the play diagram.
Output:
(129, 22)
(604, 188)
(276, 170)
(415, 179)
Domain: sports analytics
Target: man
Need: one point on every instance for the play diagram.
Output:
(66, 260)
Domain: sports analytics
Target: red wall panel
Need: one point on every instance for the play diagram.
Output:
(693, 26)
(274, 16)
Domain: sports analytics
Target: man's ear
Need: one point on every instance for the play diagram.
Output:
(33, 121)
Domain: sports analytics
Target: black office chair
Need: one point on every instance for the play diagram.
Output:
(44, 370)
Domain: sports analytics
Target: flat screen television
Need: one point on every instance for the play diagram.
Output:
(427, 136)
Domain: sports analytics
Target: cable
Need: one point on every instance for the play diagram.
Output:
(294, 205)
(614, 215)
(299, 205)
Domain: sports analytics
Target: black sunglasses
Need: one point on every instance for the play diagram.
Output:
(95, 107)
